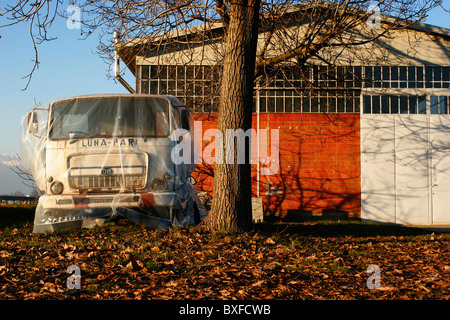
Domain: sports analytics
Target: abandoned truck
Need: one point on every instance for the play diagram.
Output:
(98, 157)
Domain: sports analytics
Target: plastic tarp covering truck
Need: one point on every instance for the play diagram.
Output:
(100, 156)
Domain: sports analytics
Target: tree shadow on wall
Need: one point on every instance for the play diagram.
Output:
(318, 174)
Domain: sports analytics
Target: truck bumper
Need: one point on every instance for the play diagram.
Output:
(156, 210)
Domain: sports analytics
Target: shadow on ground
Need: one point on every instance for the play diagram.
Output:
(336, 225)
(306, 224)
(16, 216)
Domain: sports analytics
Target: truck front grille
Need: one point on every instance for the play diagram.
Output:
(108, 172)
(108, 182)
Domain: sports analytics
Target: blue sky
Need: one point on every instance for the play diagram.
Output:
(68, 67)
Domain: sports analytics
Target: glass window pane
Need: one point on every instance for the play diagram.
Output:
(198, 72)
(377, 73)
(271, 104)
(171, 87)
(332, 105)
(281, 83)
(153, 72)
(428, 74)
(357, 105)
(386, 74)
(315, 74)
(306, 104)
(403, 104)
(172, 73)
(367, 104)
(180, 72)
(394, 73)
(144, 87)
(262, 104)
(375, 104)
(279, 104)
(384, 104)
(323, 106)
(411, 73)
(356, 77)
(340, 77)
(434, 105)
(163, 72)
(422, 105)
(412, 104)
(189, 72)
(154, 87)
(145, 72)
(288, 104)
(368, 76)
(163, 87)
(437, 73)
(297, 104)
(403, 73)
(394, 104)
(314, 105)
(340, 105)
(443, 107)
(349, 105)
(419, 73)
(445, 73)
(198, 88)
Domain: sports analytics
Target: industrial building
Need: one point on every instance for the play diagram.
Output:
(366, 134)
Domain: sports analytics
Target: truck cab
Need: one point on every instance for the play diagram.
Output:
(99, 156)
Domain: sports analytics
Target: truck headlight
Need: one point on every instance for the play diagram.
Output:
(56, 187)
(159, 184)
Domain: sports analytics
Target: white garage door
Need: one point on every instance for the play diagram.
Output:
(405, 159)
(440, 168)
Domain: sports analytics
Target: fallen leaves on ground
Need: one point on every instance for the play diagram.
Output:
(127, 261)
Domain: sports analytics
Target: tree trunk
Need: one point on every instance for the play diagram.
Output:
(231, 209)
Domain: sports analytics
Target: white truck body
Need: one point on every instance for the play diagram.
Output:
(99, 156)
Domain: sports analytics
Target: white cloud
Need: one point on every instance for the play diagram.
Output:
(10, 162)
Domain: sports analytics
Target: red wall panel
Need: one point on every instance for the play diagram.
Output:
(319, 162)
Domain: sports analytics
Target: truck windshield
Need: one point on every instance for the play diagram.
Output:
(115, 116)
